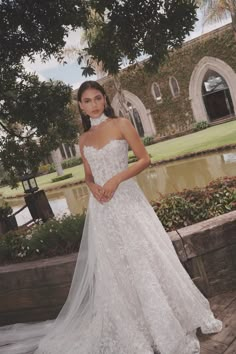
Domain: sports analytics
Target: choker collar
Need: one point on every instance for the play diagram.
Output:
(99, 120)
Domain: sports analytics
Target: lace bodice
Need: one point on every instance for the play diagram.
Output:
(107, 161)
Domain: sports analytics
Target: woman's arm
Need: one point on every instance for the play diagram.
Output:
(130, 134)
(87, 170)
(94, 188)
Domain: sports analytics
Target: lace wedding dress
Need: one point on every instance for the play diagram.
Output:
(129, 293)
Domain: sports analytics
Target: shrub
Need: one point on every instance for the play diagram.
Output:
(61, 178)
(200, 125)
(49, 168)
(45, 169)
(148, 140)
(55, 237)
(5, 211)
(174, 212)
(75, 161)
(192, 206)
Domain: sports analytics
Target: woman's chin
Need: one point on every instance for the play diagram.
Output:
(96, 114)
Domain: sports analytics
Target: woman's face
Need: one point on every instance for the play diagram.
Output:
(92, 102)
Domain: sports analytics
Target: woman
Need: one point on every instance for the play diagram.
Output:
(129, 293)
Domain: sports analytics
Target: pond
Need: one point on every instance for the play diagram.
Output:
(154, 181)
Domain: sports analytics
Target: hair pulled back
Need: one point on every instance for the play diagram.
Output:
(108, 110)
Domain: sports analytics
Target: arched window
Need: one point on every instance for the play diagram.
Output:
(174, 86)
(130, 106)
(156, 92)
(216, 96)
(135, 118)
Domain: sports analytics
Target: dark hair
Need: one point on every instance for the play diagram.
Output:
(108, 110)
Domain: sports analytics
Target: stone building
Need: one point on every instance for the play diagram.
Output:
(197, 83)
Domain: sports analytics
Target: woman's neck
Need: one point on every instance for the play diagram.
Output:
(98, 120)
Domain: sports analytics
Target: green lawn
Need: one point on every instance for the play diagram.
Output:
(44, 182)
(213, 137)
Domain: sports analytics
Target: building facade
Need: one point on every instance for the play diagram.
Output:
(197, 83)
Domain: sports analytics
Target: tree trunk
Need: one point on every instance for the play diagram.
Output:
(57, 162)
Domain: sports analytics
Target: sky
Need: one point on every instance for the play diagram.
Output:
(71, 73)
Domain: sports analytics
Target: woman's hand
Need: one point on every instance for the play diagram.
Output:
(109, 188)
(97, 191)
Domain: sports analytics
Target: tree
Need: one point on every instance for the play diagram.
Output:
(35, 117)
(217, 10)
(125, 29)
(31, 27)
(131, 28)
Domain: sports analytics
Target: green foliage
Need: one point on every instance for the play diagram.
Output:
(223, 182)
(45, 169)
(200, 125)
(37, 118)
(148, 140)
(40, 27)
(126, 29)
(5, 211)
(63, 235)
(192, 206)
(3, 176)
(61, 178)
(55, 237)
(174, 212)
(75, 161)
(49, 168)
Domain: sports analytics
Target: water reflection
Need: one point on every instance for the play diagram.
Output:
(155, 181)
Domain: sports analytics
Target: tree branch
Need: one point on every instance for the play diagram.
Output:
(11, 132)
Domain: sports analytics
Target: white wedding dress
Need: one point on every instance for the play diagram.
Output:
(129, 294)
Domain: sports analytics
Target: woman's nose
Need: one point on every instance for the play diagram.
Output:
(94, 104)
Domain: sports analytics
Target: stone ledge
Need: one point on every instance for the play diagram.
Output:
(209, 235)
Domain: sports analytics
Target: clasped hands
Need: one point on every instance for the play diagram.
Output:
(105, 193)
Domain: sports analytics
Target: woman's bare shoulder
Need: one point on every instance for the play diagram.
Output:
(122, 121)
(82, 139)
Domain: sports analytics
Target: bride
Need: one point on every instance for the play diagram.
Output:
(129, 293)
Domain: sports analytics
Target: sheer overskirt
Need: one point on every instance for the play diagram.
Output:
(22, 338)
(129, 294)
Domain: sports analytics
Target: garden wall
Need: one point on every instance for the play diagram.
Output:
(36, 290)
